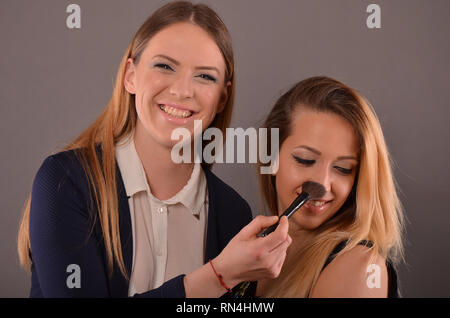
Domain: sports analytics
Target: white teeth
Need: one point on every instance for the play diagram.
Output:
(175, 112)
(316, 203)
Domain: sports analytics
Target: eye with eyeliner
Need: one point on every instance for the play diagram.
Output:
(163, 66)
(344, 170)
(208, 78)
(306, 162)
(310, 162)
(166, 67)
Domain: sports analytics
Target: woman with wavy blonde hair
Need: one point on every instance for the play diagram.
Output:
(347, 243)
(114, 216)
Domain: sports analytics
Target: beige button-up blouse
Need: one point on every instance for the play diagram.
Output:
(169, 236)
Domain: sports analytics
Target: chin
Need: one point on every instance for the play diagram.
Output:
(162, 138)
(310, 226)
(305, 224)
(310, 223)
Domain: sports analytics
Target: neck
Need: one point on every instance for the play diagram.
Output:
(165, 178)
(297, 233)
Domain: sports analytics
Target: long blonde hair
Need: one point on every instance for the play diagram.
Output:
(371, 212)
(119, 119)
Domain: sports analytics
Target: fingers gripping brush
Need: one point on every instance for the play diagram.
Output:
(310, 191)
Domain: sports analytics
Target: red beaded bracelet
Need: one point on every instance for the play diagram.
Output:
(220, 277)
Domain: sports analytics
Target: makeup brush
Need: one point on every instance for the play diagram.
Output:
(310, 191)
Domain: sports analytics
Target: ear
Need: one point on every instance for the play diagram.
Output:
(224, 97)
(129, 77)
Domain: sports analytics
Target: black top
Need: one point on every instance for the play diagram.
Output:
(392, 273)
(248, 289)
(60, 217)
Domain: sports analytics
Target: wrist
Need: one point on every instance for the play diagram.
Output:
(220, 278)
(225, 271)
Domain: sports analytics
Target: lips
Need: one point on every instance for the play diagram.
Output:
(175, 112)
(317, 202)
(317, 205)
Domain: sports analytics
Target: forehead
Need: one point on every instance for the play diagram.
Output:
(327, 132)
(186, 42)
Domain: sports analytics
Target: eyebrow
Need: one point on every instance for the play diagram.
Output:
(317, 152)
(212, 68)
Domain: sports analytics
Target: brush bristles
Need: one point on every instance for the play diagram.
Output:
(314, 189)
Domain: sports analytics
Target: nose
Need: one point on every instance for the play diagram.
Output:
(322, 176)
(182, 87)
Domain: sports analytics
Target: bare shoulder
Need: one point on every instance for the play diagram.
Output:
(351, 274)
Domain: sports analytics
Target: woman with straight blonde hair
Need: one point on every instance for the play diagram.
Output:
(114, 216)
(347, 243)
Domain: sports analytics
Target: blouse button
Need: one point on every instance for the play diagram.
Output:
(160, 210)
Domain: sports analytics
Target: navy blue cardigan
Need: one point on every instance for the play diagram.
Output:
(61, 213)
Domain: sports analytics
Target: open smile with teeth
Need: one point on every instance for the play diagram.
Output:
(178, 113)
(317, 203)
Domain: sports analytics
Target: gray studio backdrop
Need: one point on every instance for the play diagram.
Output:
(55, 81)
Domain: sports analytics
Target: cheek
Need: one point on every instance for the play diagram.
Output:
(342, 189)
(150, 85)
(283, 179)
(139, 101)
(288, 181)
(209, 99)
(147, 92)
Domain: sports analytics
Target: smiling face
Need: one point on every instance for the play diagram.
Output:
(322, 147)
(179, 78)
